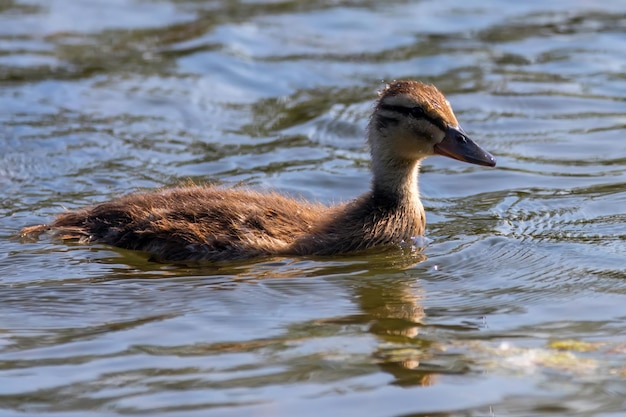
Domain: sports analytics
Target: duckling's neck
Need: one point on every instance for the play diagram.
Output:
(396, 179)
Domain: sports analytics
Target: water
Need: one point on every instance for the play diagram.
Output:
(514, 308)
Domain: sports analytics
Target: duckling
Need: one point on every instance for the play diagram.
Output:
(410, 122)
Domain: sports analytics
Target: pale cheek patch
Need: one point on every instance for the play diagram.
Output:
(430, 132)
(436, 134)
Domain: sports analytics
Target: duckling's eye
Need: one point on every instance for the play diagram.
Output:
(417, 112)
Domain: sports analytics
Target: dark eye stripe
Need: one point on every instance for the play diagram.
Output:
(415, 112)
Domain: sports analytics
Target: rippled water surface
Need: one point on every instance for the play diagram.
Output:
(516, 307)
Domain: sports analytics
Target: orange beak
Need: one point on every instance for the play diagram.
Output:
(457, 145)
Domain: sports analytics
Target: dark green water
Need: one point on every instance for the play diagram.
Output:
(515, 308)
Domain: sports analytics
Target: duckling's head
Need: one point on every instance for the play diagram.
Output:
(412, 121)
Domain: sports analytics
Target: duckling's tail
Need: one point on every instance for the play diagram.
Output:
(32, 233)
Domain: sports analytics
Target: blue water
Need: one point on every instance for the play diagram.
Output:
(514, 307)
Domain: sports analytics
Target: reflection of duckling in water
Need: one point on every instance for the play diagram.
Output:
(410, 122)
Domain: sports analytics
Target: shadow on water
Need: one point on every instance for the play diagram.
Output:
(385, 302)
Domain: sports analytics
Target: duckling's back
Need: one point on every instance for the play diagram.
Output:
(194, 223)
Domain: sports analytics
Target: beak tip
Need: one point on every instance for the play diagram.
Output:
(457, 145)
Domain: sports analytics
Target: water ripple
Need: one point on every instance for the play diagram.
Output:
(523, 262)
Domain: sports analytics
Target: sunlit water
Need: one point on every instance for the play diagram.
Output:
(516, 306)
